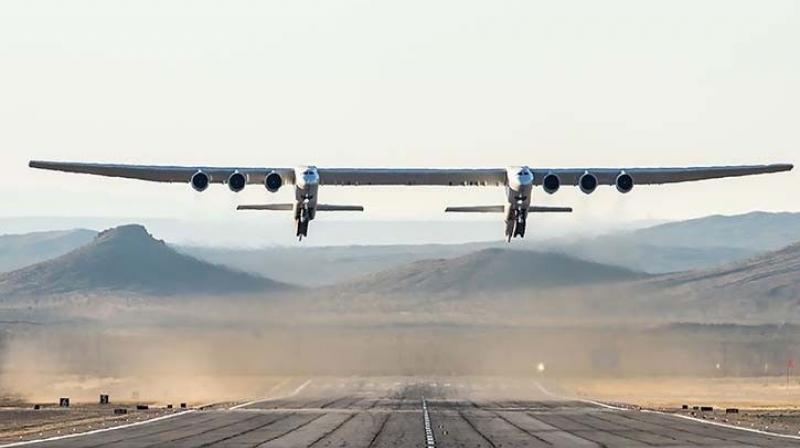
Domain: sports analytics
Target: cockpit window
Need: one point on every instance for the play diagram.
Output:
(308, 173)
(523, 173)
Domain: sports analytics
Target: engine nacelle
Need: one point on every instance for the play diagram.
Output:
(273, 182)
(200, 181)
(588, 183)
(237, 181)
(551, 183)
(624, 182)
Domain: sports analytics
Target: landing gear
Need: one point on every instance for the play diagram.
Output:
(302, 218)
(302, 229)
(515, 224)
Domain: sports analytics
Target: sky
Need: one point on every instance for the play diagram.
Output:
(387, 84)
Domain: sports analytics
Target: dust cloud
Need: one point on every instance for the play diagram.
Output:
(223, 350)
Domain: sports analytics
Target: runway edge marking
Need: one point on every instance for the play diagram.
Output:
(584, 400)
(250, 403)
(685, 417)
(725, 425)
(98, 431)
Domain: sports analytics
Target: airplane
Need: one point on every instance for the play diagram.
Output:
(518, 181)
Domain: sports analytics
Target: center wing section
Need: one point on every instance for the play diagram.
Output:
(412, 176)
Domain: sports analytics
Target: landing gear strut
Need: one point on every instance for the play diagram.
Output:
(515, 225)
(302, 218)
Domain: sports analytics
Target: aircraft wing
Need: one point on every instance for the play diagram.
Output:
(411, 176)
(162, 173)
(655, 176)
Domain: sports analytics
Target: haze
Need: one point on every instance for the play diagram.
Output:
(457, 83)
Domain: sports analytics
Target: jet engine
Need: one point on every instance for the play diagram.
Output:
(551, 183)
(624, 182)
(237, 181)
(200, 181)
(588, 183)
(273, 182)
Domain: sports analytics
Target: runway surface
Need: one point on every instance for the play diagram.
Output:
(388, 412)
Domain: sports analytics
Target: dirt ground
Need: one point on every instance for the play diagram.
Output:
(668, 393)
(159, 389)
(21, 423)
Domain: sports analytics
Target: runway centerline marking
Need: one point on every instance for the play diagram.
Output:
(98, 431)
(292, 394)
(430, 442)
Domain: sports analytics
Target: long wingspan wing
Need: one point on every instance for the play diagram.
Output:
(162, 173)
(653, 176)
(411, 176)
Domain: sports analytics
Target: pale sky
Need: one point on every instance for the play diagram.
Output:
(404, 83)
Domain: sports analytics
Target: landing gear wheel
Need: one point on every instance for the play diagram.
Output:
(519, 229)
(302, 224)
(302, 229)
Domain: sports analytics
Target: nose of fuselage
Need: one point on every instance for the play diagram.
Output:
(306, 176)
(519, 177)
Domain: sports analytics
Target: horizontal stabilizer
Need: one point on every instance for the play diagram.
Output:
(339, 208)
(290, 207)
(500, 209)
(271, 207)
(541, 209)
(476, 209)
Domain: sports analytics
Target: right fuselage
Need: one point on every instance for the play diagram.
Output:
(519, 187)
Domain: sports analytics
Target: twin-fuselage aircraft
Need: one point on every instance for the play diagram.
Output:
(519, 182)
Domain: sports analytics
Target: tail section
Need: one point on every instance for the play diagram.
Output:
(501, 209)
(476, 209)
(541, 209)
(290, 207)
(270, 207)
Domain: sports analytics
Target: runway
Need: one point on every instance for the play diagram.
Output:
(404, 412)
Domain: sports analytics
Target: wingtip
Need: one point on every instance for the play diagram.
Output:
(40, 164)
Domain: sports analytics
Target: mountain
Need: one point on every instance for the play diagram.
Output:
(673, 247)
(18, 251)
(128, 260)
(768, 283)
(757, 231)
(688, 245)
(653, 259)
(332, 265)
(485, 272)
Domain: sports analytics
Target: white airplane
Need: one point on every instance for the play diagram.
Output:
(517, 180)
